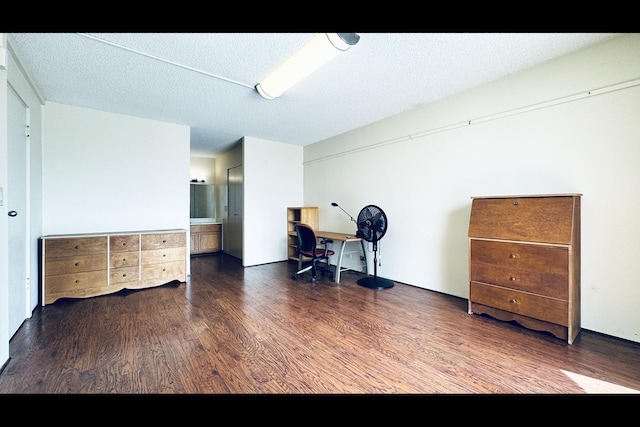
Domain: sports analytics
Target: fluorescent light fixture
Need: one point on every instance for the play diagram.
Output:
(313, 55)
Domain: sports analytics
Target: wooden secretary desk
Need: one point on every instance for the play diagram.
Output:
(524, 261)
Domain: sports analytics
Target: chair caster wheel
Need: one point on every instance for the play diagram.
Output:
(313, 280)
(294, 277)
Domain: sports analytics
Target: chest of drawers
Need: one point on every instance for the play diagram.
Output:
(87, 265)
(524, 261)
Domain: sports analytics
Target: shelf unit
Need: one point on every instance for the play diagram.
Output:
(296, 215)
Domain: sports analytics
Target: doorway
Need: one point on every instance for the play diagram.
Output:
(233, 227)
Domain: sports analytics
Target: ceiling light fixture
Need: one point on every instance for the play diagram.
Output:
(313, 55)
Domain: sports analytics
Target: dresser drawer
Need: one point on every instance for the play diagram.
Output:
(124, 243)
(553, 259)
(124, 275)
(65, 247)
(124, 259)
(78, 284)
(540, 283)
(157, 256)
(536, 269)
(75, 264)
(163, 240)
(165, 271)
(533, 219)
(523, 303)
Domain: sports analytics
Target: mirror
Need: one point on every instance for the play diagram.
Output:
(203, 200)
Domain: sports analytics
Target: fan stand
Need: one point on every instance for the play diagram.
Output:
(375, 282)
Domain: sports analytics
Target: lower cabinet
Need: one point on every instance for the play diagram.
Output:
(81, 266)
(206, 238)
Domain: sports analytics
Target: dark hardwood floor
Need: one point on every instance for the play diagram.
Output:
(235, 330)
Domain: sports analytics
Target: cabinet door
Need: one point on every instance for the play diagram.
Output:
(209, 242)
(194, 249)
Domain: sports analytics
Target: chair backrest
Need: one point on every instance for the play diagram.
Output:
(306, 238)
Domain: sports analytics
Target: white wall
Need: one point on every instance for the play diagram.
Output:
(105, 172)
(568, 126)
(201, 167)
(272, 182)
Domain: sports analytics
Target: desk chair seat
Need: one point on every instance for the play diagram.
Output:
(308, 248)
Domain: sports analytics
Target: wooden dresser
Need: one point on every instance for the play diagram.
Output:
(524, 261)
(87, 265)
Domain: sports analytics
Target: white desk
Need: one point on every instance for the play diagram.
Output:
(343, 238)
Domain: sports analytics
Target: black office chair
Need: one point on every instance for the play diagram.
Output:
(308, 248)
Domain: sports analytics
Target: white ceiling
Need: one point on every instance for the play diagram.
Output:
(207, 80)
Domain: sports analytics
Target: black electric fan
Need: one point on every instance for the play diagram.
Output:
(372, 226)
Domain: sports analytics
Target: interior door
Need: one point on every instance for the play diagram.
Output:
(17, 191)
(233, 227)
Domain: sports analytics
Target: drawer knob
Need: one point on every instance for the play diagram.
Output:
(512, 278)
(512, 255)
(124, 274)
(76, 247)
(124, 259)
(515, 203)
(513, 301)
(77, 264)
(164, 241)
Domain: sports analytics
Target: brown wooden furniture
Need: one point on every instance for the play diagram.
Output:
(299, 215)
(87, 265)
(205, 238)
(524, 261)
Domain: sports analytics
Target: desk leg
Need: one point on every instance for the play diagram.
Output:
(339, 264)
(364, 254)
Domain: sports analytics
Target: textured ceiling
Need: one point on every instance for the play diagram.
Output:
(207, 80)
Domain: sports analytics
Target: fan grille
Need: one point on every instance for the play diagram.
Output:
(372, 223)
